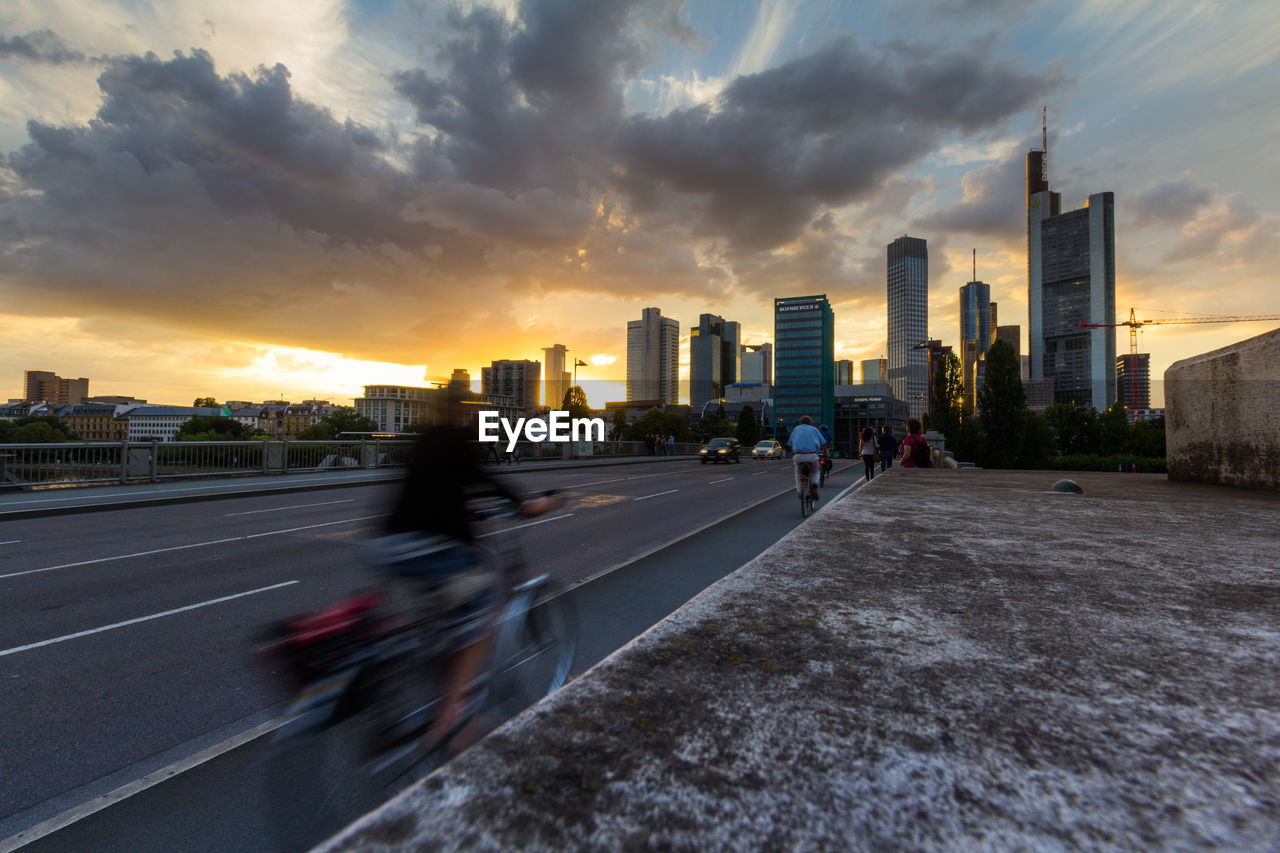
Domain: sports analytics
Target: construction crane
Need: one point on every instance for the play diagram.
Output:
(1135, 324)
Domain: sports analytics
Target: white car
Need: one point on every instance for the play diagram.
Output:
(767, 450)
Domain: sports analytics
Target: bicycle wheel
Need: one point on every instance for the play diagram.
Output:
(317, 781)
(537, 661)
(804, 500)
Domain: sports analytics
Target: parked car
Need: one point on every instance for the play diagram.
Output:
(721, 450)
(767, 449)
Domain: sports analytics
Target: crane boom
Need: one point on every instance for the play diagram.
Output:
(1135, 324)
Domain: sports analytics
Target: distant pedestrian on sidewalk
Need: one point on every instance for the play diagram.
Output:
(867, 449)
(888, 448)
(915, 450)
(671, 445)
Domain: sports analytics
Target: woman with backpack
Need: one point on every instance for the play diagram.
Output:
(915, 450)
(867, 450)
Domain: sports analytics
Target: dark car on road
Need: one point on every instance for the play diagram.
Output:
(721, 450)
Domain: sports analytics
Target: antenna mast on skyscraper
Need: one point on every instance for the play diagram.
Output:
(975, 265)
(1044, 143)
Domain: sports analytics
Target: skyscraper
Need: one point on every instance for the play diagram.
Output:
(844, 372)
(804, 335)
(908, 280)
(557, 377)
(875, 370)
(515, 379)
(1071, 279)
(757, 364)
(1133, 380)
(976, 309)
(714, 358)
(653, 358)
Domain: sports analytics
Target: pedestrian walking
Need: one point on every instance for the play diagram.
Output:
(671, 445)
(868, 449)
(888, 448)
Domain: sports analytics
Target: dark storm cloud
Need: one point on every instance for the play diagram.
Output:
(994, 203)
(1171, 202)
(823, 130)
(277, 218)
(44, 46)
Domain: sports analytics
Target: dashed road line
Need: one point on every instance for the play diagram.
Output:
(725, 480)
(656, 495)
(519, 526)
(282, 508)
(185, 547)
(127, 622)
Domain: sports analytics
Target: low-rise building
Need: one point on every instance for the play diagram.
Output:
(160, 423)
(95, 422)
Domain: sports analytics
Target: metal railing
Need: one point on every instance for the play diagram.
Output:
(82, 464)
(89, 463)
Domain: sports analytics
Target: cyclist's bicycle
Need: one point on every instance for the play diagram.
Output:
(368, 679)
(808, 489)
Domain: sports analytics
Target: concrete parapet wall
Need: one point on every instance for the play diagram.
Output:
(1037, 675)
(1222, 415)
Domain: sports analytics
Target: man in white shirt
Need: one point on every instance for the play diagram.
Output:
(806, 442)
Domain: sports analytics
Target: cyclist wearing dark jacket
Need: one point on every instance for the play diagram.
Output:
(430, 541)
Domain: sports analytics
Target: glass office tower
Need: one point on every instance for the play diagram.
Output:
(804, 335)
(908, 303)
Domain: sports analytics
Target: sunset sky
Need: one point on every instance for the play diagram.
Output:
(299, 197)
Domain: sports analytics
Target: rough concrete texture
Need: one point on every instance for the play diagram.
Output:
(1222, 415)
(943, 661)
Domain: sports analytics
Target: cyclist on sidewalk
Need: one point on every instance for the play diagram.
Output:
(430, 542)
(806, 442)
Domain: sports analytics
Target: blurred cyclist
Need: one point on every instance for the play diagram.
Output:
(430, 542)
(806, 442)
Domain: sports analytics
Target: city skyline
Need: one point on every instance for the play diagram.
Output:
(307, 203)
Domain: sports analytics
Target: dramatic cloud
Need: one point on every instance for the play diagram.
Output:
(225, 204)
(821, 131)
(1171, 202)
(41, 46)
(993, 205)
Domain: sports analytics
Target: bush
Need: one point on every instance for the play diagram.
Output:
(1115, 462)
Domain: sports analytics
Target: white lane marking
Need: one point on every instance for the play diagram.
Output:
(115, 625)
(184, 547)
(758, 473)
(656, 495)
(519, 526)
(11, 542)
(248, 488)
(725, 480)
(282, 508)
(647, 476)
(595, 483)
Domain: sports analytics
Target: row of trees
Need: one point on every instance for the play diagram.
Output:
(1008, 435)
(35, 430)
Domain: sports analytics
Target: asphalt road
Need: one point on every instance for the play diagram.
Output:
(125, 635)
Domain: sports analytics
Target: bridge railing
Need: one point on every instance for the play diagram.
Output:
(88, 463)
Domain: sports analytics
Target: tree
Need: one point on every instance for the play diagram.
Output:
(1003, 403)
(1075, 428)
(619, 424)
(1147, 439)
(40, 428)
(748, 427)
(658, 422)
(1114, 431)
(210, 428)
(206, 403)
(575, 402)
(347, 419)
(1037, 446)
(947, 397)
(418, 425)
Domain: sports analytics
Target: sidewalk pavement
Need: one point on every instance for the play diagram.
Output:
(56, 501)
(945, 660)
